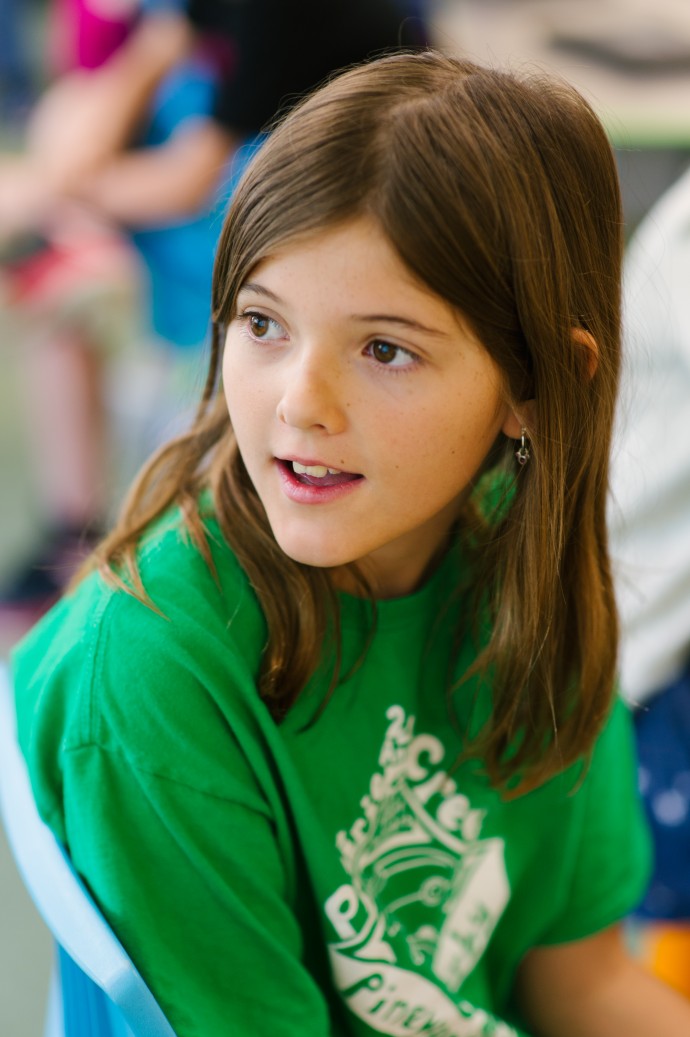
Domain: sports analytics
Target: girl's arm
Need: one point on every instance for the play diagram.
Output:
(593, 988)
(154, 185)
(88, 116)
(81, 125)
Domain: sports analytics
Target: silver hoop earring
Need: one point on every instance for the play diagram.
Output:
(523, 453)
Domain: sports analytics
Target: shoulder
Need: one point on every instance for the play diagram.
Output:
(188, 604)
(607, 778)
(594, 804)
(189, 598)
(107, 671)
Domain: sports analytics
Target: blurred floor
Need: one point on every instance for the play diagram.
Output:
(25, 956)
(25, 947)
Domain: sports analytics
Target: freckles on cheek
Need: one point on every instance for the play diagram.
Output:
(239, 406)
(253, 419)
(241, 392)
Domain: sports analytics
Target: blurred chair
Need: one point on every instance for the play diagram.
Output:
(95, 989)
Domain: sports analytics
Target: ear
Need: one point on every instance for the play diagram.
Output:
(521, 417)
(584, 338)
(524, 415)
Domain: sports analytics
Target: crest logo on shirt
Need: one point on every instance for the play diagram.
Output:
(425, 895)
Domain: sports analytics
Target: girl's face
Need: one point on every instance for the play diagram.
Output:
(362, 407)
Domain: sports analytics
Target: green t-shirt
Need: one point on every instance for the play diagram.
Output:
(326, 877)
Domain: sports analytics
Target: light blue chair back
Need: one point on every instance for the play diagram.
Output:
(95, 991)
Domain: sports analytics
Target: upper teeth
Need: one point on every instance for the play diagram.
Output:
(317, 471)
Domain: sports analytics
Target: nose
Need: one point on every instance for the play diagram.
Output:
(312, 397)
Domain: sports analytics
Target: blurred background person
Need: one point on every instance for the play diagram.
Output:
(137, 144)
(17, 84)
(650, 532)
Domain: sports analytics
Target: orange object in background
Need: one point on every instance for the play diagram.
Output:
(665, 950)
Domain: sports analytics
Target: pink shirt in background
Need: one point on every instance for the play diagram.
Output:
(85, 33)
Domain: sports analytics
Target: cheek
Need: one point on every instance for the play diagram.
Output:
(247, 418)
(454, 447)
(243, 395)
(456, 427)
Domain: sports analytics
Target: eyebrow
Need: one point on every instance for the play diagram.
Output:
(251, 286)
(390, 318)
(406, 322)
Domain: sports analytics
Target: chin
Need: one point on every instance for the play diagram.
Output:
(319, 556)
(316, 559)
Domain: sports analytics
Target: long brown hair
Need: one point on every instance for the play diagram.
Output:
(499, 192)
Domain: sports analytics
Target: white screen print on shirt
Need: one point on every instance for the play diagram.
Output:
(425, 896)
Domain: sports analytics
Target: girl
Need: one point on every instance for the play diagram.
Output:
(328, 727)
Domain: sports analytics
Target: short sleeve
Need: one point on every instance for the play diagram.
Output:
(151, 757)
(610, 852)
(195, 887)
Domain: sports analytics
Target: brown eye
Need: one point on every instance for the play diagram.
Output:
(384, 352)
(389, 355)
(265, 328)
(259, 325)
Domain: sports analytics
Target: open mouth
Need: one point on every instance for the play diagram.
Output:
(317, 474)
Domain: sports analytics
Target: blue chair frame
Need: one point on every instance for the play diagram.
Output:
(95, 989)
